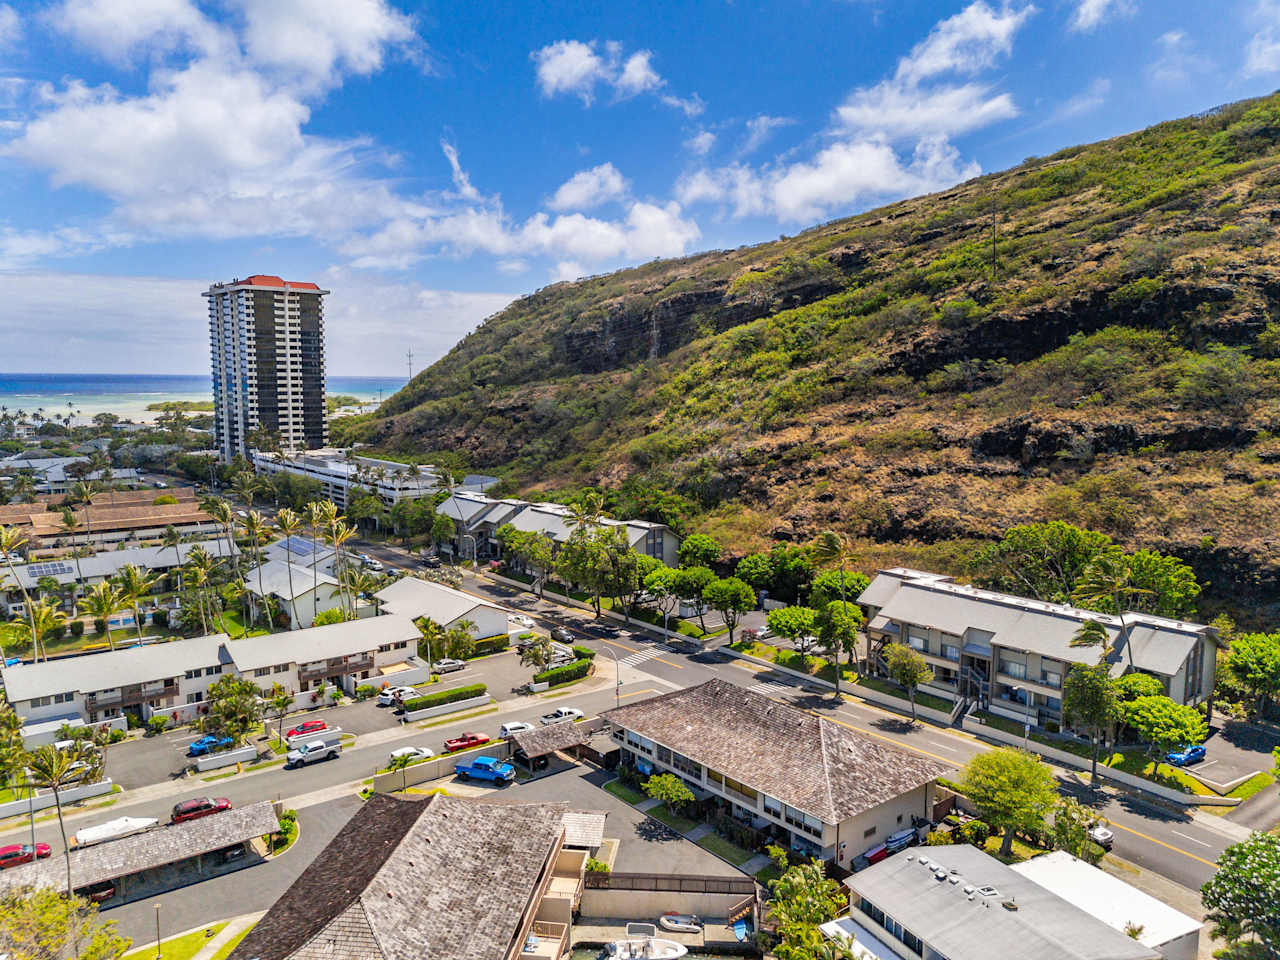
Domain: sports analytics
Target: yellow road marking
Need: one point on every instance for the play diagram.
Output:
(623, 646)
(1148, 837)
(637, 693)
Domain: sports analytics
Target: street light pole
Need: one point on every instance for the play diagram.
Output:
(617, 677)
(158, 931)
(1026, 720)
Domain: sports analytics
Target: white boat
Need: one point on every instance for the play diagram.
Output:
(643, 943)
(113, 830)
(681, 922)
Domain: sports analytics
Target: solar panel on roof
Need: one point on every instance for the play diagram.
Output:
(50, 569)
(301, 546)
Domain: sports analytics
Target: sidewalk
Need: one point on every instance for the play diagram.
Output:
(234, 927)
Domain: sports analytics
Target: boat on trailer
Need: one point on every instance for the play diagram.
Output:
(643, 943)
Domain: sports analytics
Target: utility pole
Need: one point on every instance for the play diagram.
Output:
(409, 354)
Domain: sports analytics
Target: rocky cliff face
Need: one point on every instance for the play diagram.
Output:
(1090, 336)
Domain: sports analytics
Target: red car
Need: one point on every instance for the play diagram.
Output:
(464, 741)
(98, 892)
(309, 726)
(197, 808)
(16, 853)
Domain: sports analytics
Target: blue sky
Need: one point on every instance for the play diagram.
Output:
(428, 163)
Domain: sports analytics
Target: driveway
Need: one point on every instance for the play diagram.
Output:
(1236, 750)
(647, 846)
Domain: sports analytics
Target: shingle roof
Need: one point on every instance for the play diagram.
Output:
(446, 878)
(806, 761)
(416, 598)
(1043, 926)
(583, 828)
(540, 741)
(151, 848)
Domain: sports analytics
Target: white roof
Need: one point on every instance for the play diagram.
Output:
(414, 598)
(320, 643)
(1107, 898)
(91, 672)
(302, 551)
(276, 575)
(108, 562)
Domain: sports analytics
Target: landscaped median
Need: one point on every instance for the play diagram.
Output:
(446, 701)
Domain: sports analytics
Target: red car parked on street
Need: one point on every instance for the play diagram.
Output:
(465, 740)
(197, 808)
(16, 853)
(309, 726)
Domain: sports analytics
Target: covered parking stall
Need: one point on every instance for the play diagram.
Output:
(162, 858)
(551, 748)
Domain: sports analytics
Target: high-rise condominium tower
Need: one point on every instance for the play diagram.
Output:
(266, 339)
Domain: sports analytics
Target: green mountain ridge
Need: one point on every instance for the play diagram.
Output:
(1089, 336)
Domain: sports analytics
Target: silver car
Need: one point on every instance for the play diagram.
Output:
(448, 665)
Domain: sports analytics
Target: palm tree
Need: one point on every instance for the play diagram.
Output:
(69, 524)
(45, 616)
(245, 486)
(52, 769)
(1093, 633)
(320, 513)
(24, 486)
(460, 640)
(537, 655)
(199, 573)
(431, 632)
(135, 583)
(837, 549)
(255, 527)
(82, 491)
(357, 581)
(224, 516)
(170, 537)
(101, 602)
(340, 532)
(10, 542)
(1107, 581)
(586, 513)
(289, 523)
(280, 700)
(100, 464)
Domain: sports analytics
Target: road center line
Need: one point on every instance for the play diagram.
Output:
(1167, 846)
(1187, 837)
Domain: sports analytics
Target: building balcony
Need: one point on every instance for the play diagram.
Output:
(1029, 683)
(546, 939)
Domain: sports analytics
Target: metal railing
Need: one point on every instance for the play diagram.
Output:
(742, 886)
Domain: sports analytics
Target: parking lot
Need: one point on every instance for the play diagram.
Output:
(1235, 750)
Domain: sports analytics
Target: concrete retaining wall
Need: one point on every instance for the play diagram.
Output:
(44, 737)
(1067, 759)
(436, 767)
(227, 758)
(456, 707)
(326, 735)
(653, 903)
(42, 801)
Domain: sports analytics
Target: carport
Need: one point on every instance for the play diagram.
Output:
(159, 859)
(537, 749)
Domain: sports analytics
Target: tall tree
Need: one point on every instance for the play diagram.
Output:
(731, 598)
(1241, 897)
(289, 523)
(46, 616)
(689, 584)
(172, 538)
(1089, 702)
(255, 529)
(320, 514)
(69, 524)
(11, 541)
(339, 535)
(101, 603)
(661, 585)
(796, 624)
(1164, 724)
(537, 654)
(280, 700)
(1072, 821)
(909, 669)
(82, 491)
(52, 769)
(432, 641)
(1042, 560)
(1093, 633)
(1012, 790)
(233, 707)
(135, 583)
(39, 923)
(700, 550)
(835, 549)
(1106, 584)
(838, 625)
(1254, 660)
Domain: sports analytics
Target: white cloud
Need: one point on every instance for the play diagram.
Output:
(760, 129)
(1089, 14)
(902, 111)
(121, 29)
(512, 267)
(1262, 52)
(700, 144)
(1086, 101)
(461, 182)
(590, 188)
(637, 75)
(161, 317)
(575, 68)
(567, 270)
(1177, 63)
(10, 26)
(968, 42)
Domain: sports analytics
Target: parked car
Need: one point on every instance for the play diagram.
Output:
(448, 665)
(313, 751)
(433, 562)
(1102, 836)
(1188, 755)
(233, 852)
(307, 726)
(16, 853)
(98, 892)
(413, 753)
(374, 565)
(521, 619)
(394, 695)
(485, 768)
(561, 715)
(208, 744)
(198, 807)
(562, 635)
(514, 727)
(465, 740)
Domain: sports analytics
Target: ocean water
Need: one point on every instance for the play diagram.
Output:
(128, 395)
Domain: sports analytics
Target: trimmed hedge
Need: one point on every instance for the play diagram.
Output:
(489, 645)
(445, 696)
(583, 653)
(570, 671)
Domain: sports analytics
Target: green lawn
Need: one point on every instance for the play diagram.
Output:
(225, 950)
(232, 625)
(766, 874)
(1139, 764)
(725, 849)
(178, 948)
(673, 820)
(810, 664)
(1020, 852)
(922, 699)
(624, 793)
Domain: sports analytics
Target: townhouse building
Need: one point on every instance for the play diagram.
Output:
(1010, 654)
(818, 787)
(340, 471)
(414, 598)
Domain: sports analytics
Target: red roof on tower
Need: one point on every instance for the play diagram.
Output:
(267, 280)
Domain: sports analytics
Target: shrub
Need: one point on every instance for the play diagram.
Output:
(77, 628)
(57, 632)
(157, 724)
(365, 691)
(976, 833)
(526, 636)
(490, 645)
(557, 675)
(165, 498)
(99, 625)
(939, 838)
(332, 615)
(132, 721)
(160, 618)
(445, 696)
(583, 653)
(116, 736)
(596, 866)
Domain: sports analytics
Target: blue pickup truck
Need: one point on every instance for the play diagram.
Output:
(209, 743)
(486, 768)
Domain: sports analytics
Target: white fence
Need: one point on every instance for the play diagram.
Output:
(326, 735)
(44, 733)
(213, 761)
(455, 707)
(42, 801)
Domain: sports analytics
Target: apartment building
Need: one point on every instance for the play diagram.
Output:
(414, 598)
(266, 344)
(818, 787)
(173, 678)
(958, 903)
(301, 592)
(1009, 654)
(477, 518)
(507, 886)
(340, 471)
(50, 475)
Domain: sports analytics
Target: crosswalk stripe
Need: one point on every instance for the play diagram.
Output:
(642, 656)
(770, 686)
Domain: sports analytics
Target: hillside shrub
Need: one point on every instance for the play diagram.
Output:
(164, 498)
(570, 671)
(445, 696)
